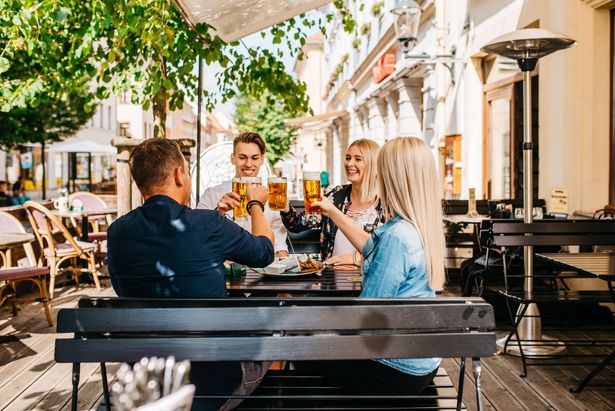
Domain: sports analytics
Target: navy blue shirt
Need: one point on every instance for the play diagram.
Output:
(165, 249)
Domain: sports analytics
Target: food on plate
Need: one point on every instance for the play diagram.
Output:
(310, 265)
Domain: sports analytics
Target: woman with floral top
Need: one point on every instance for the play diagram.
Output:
(404, 258)
(357, 200)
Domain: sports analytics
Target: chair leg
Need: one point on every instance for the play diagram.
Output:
(92, 266)
(462, 375)
(76, 372)
(42, 287)
(593, 373)
(476, 368)
(53, 270)
(12, 301)
(105, 383)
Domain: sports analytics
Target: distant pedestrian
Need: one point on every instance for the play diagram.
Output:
(19, 192)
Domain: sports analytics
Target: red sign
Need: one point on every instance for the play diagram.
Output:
(385, 67)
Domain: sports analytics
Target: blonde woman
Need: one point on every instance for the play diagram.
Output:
(403, 258)
(357, 200)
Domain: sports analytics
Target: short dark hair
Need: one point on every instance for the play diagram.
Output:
(250, 137)
(153, 161)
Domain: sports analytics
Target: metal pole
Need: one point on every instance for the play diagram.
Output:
(530, 326)
(198, 132)
(528, 171)
(44, 192)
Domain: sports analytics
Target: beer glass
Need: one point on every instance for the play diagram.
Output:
(311, 191)
(240, 186)
(277, 193)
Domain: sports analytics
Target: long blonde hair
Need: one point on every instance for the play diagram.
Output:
(369, 185)
(409, 188)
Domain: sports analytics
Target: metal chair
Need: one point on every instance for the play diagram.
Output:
(11, 275)
(46, 227)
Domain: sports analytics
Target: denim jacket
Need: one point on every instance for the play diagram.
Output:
(395, 266)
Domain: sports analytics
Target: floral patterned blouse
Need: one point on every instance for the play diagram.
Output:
(340, 197)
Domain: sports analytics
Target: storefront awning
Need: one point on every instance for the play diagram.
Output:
(299, 121)
(233, 20)
(83, 146)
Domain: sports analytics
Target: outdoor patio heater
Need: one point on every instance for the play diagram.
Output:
(526, 47)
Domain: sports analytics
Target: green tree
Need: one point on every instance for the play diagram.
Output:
(47, 123)
(42, 120)
(266, 116)
(143, 46)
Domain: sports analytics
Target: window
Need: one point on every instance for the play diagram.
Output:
(124, 129)
(503, 146)
(451, 153)
(497, 162)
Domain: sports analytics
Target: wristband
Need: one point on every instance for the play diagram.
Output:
(254, 202)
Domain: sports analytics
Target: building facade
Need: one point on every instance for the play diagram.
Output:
(468, 107)
(308, 151)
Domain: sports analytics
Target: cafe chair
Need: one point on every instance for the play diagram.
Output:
(92, 202)
(10, 276)
(55, 252)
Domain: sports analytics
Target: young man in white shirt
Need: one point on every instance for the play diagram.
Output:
(248, 157)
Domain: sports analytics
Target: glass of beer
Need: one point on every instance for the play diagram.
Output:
(277, 193)
(311, 191)
(240, 186)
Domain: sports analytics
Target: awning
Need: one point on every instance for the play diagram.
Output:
(299, 121)
(83, 146)
(233, 20)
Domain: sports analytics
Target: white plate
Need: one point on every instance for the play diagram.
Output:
(289, 273)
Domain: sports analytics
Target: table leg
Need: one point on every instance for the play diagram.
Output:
(84, 228)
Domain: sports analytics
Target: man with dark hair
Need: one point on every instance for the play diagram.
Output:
(165, 249)
(248, 156)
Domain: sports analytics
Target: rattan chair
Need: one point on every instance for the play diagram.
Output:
(47, 227)
(92, 202)
(9, 276)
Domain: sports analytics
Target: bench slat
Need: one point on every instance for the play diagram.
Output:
(555, 227)
(268, 348)
(364, 317)
(555, 239)
(115, 302)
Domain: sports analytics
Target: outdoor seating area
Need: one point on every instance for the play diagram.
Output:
(307, 205)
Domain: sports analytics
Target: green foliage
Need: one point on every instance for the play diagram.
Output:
(339, 69)
(143, 46)
(356, 43)
(377, 8)
(49, 122)
(36, 116)
(365, 28)
(266, 116)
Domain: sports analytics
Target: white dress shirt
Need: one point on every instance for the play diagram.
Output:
(210, 198)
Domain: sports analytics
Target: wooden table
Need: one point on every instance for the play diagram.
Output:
(331, 282)
(10, 240)
(84, 215)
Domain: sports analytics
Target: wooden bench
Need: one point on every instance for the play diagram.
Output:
(265, 329)
(505, 234)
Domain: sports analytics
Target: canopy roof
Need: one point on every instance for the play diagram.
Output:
(233, 20)
(83, 146)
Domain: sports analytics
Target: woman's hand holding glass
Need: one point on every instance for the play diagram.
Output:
(326, 207)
